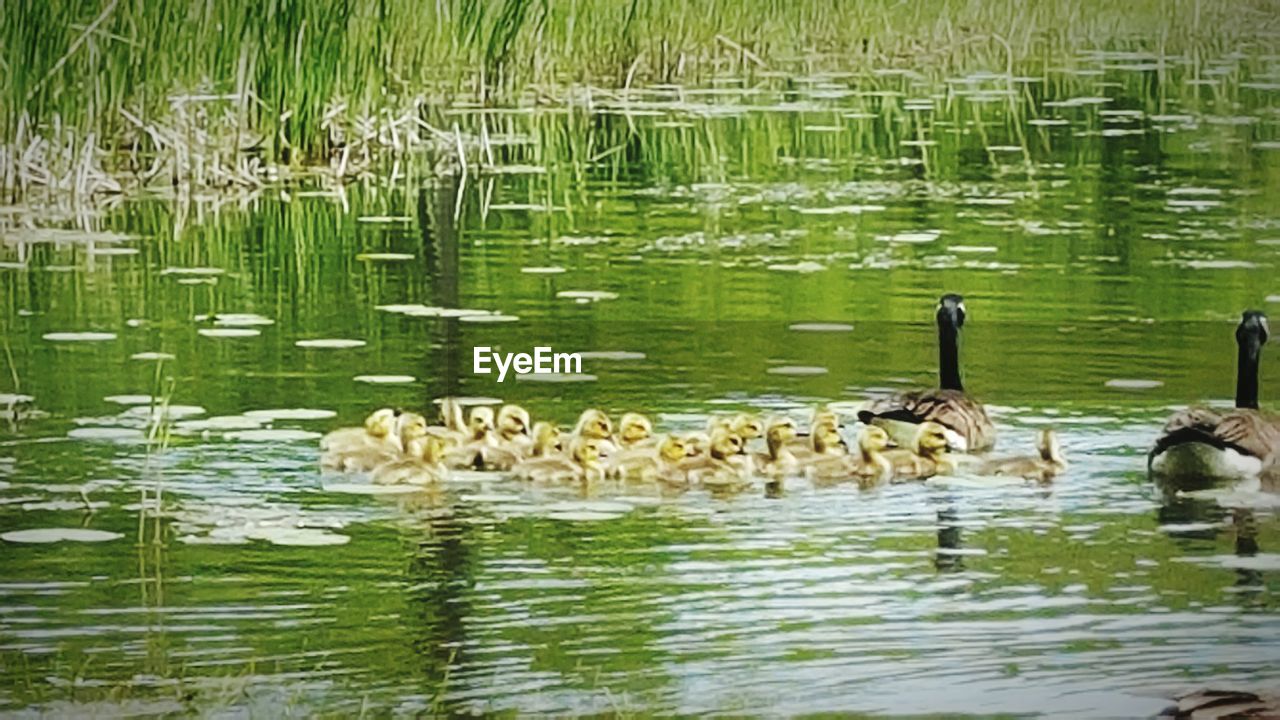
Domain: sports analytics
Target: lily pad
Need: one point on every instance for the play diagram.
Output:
(490, 498)
(386, 379)
(611, 355)
(290, 414)
(469, 400)
(587, 295)
(547, 270)
(129, 399)
(384, 256)
(557, 377)
(330, 343)
(807, 266)
(229, 332)
(152, 356)
(599, 506)
(14, 399)
(821, 327)
(797, 370)
(241, 320)
(107, 433)
(53, 535)
(171, 412)
(1133, 384)
(79, 336)
(219, 423)
(272, 435)
(495, 318)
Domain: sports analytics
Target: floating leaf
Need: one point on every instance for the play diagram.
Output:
(14, 399)
(384, 219)
(468, 400)
(52, 535)
(587, 295)
(797, 370)
(330, 343)
(229, 332)
(300, 537)
(488, 318)
(152, 356)
(384, 256)
(611, 355)
(557, 377)
(599, 506)
(79, 336)
(1133, 384)
(241, 320)
(490, 498)
(219, 423)
(272, 435)
(386, 379)
(129, 399)
(800, 267)
(106, 433)
(821, 327)
(548, 270)
(290, 414)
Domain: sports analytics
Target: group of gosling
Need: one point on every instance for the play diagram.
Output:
(911, 435)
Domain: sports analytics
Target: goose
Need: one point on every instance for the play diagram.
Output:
(660, 463)
(422, 465)
(582, 464)
(965, 421)
(868, 466)
(926, 457)
(1203, 444)
(634, 430)
(1043, 467)
(778, 459)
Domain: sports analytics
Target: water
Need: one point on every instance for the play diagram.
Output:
(1094, 242)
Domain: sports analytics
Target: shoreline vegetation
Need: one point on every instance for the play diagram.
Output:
(105, 99)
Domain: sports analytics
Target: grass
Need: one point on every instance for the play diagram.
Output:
(237, 93)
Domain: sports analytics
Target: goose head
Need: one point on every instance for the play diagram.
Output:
(410, 426)
(513, 421)
(1050, 447)
(951, 311)
(451, 414)
(481, 422)
(546, 439)
(872, 440)
(585, 451)
(746, 426)
(931, 440)
(672, 449)
(634, 428)
(1251, 334)
(780, 432)
(724, 444)
(381, 423)
(594, 424)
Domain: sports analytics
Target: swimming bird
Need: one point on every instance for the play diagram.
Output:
(634, 429)
(479, 437)
(1204, 444)
(423, 464)
(595, 424)
(581, 464)
(926, 457)
(964, 419)
(723, 466)
(869, 465)
(778, 460)
(652, 464)
(349, 448)
(1043, 467)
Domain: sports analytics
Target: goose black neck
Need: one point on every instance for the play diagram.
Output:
(949, 355)
(1247, 373)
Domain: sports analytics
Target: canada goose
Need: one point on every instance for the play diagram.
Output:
(1044, 467)
(363, 448)
(1203, 444)
(634, 429)
(965, 421)
(593, 423)
(723, 466)
(824, 439)
(1209, 704)
(926, 457)
(513, 425)
(546, 439)
(379, 427)
(479, 437)
(778, 459)
(649, 464)
(422, 464)
(582, 464)
(869, 464)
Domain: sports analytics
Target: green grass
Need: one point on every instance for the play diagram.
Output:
(295, 77)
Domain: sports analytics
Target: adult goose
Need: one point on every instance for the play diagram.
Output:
(965, 421)
(1203, 444)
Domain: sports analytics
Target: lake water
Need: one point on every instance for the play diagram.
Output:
(1104, 224)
